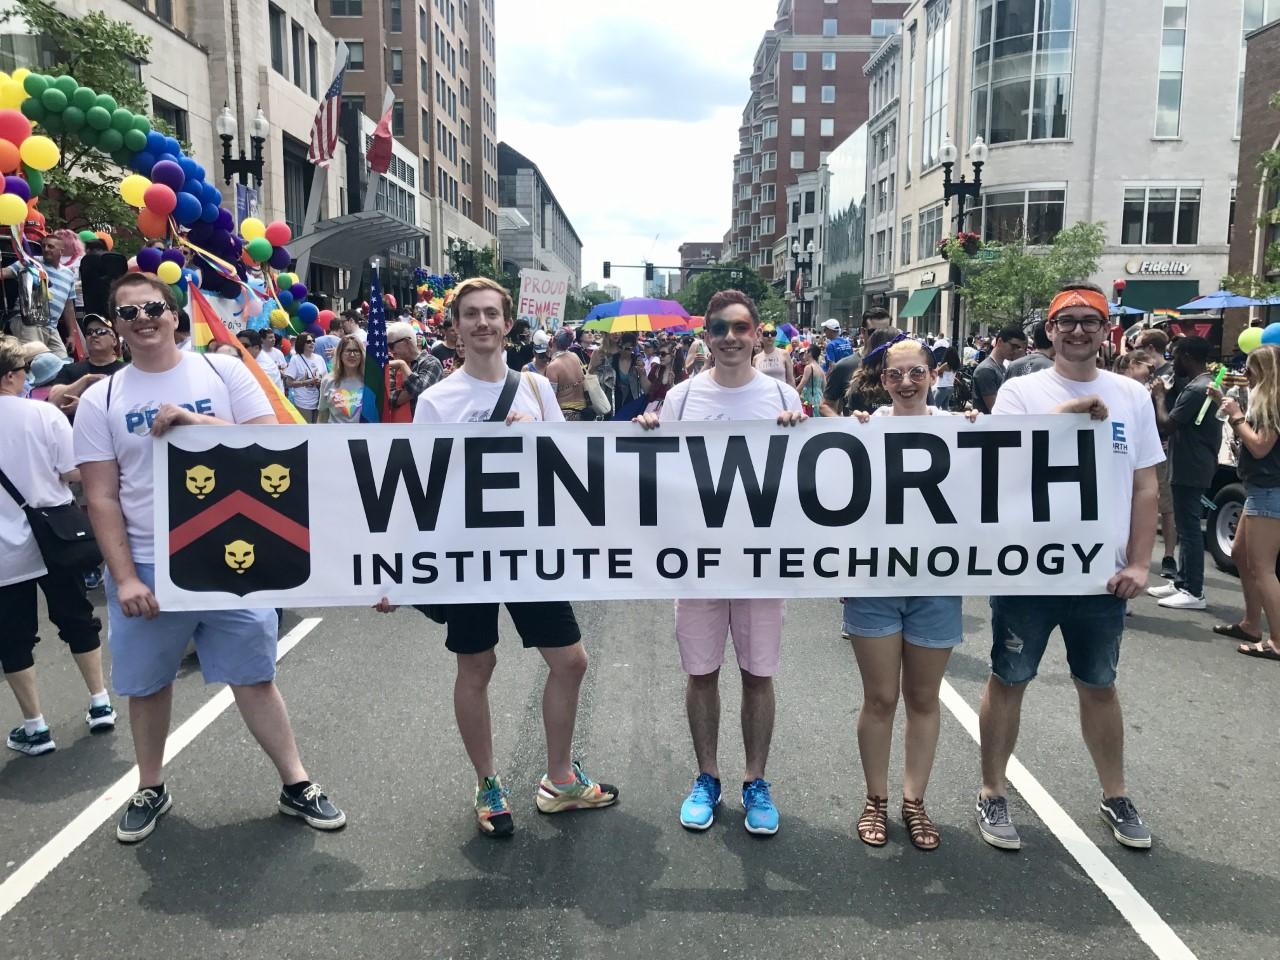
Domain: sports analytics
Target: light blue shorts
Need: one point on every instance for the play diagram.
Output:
(234, 646)
(923, 621)
(1262, 502)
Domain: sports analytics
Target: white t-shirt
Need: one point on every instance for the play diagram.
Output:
(306, 368)
(206, 383)
(701, 398)
(35, 450)
(932, 412)
(1135, 442)
(277, 355)
(461, 398)
(268, 365)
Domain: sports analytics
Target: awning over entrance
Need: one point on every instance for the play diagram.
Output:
(919, 303)
(349, 241)
(1148, 295)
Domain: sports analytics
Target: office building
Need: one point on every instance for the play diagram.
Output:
(535, 232)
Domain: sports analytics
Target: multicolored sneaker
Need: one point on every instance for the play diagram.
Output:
(698, 812)
(32, 744)
(493, 813)
(101, 719)
(762, 815)
(583, 794)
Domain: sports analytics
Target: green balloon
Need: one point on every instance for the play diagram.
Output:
(87, 236)
(35, 84)
(97, 118)
(35, 180)
(107, 102)
(134, 140)
(84, 98)
(52, 123)
(66, 84)
(179, 294)
(259, 250)
(33, 109)
(73, 118)
(123, 157)
(121, 119)
(140, 122)
(86, 135)
(54, 100)
(109, 141)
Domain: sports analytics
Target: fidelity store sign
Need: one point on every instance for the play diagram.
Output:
(1157, 268)
(268, 516)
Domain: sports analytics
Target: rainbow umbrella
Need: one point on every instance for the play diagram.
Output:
(636, 315)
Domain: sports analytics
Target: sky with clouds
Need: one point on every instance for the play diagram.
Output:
(631, 111)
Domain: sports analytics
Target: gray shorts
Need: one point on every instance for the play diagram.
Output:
(234, 646)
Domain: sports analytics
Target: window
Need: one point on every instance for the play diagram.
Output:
(1173, 44)
(770, 128)
(422, 25)
(395, 67)
(829, 94)
(797, 159)
(936, 68)
(829, 28)
(275, 20)
(827, 127)
(911, 102)
(808, 201)
(297, 182)
(906, 241)
(395, 16)
(799, 60)
(930, 232)
(768, 193)
(797, 126)
(346, 8)
(1022, 67)
(425, 122)
(1257, 13)
(175, 117)
(299, 54)
(885, 28)
(768, 161)
(313, 67)
(424, 76)
(1160, 215)
(355, 50)
(828, 61)
(798, 93)
(397, 119)
(767, 225)
(1010, 215)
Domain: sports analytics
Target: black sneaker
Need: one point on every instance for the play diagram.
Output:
(994, 823)
(101, 719)
(1122, 817)
(1169, 568)
(313, 807)
(140, 816)
(32, 744)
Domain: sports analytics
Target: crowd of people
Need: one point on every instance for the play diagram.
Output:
(97, 424)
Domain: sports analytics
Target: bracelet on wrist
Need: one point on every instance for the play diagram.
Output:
(1236, 421)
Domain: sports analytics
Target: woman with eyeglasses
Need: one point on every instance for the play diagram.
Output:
(901, 643)
(342, 391)
(865, 392)
(303, 374)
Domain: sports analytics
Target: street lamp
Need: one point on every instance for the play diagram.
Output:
(963, 190)
(245, 167)
(804, 260)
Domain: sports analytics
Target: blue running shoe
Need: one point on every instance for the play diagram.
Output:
(762, 815)
(699, 808)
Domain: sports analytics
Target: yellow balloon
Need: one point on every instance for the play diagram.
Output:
(3, 76)
(168, 272)
(12, 95)
(39, 153)
(251, 228)
(12, 210)
(21, 74)
(132, 188)
(279, 318)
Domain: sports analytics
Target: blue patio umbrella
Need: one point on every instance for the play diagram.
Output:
(1118, 310)
(1220, 300)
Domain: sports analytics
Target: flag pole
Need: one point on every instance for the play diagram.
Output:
(319, 177)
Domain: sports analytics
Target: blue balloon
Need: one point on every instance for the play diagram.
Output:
(155, 142)
(285, 298)
(308, 313)
(171, 145)
(209, 213)
(194, 187)
(1271, 333)
(189, 168)
(211, 194)
(200, 172)
(188, 209)
(143, 162)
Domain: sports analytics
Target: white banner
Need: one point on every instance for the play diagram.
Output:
(271, 516)
(542, 299)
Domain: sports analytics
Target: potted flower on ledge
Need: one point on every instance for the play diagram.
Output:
(966, 243)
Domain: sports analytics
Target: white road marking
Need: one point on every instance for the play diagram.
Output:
(1148, 924)
(25, 879)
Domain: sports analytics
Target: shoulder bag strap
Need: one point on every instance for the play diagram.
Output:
(537, 394)
(18, 498)
(503, 406)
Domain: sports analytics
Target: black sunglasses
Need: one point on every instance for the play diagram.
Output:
(152, 308)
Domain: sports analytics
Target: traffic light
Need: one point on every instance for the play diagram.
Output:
(607, 266)
(648, 273)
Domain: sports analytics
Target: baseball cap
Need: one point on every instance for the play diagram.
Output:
(540, 341)
(831, 324)
(92, 319)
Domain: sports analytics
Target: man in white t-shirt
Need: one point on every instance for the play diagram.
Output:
(116, 427)
(483, 315)
(251, 340)
(733, 389)
(1091, 625)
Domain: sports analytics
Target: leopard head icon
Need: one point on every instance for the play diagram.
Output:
(200, 481)
(275, 479)
(239, 555)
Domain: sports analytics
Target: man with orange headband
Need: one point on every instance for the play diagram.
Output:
(1091, 625)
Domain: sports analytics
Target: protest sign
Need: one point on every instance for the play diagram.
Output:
(542, 299)
(268, 516)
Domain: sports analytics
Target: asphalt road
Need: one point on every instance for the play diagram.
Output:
(226, 876)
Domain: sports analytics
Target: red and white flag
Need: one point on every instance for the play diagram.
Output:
(324, 132)
(379, 155)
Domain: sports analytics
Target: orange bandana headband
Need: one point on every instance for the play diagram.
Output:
(1080, 298)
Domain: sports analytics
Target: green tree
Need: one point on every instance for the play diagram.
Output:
(468, 261)
(578, 305)
(1009, 284)
(1264, 285)
(103, 54)
(730, 275)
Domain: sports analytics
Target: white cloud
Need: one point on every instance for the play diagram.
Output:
(634, 123)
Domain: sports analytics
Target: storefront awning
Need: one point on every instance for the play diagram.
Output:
(1148, 295)
(919, 303)
(349, 241)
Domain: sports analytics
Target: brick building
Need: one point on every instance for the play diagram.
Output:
(696, 254)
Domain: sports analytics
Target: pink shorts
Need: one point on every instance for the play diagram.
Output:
(703, 626)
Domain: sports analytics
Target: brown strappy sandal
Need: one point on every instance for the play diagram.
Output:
(873, 825)
(924, 835)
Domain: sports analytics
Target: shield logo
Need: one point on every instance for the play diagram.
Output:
(238, 519)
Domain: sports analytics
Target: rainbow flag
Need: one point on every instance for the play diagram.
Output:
(207, 327)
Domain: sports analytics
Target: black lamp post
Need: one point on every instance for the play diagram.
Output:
(243, 168)
(804, 261)
(964, 191)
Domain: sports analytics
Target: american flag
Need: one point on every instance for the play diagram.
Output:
(324, 132)
(375, 356)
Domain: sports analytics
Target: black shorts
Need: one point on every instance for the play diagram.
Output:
(473, 627)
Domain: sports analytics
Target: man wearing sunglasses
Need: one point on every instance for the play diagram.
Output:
(419, 368)
(116, 428)
(1092, 625)
(75, 378)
